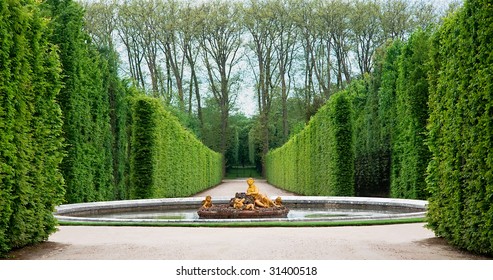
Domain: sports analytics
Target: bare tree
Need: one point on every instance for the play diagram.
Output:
(395, 18)
(170, 41)
(128, 34)
(144, 18)
(285, 47)
(190, 29)
(305, 21)
(367, 34)
(101, 22)
(221, 41)
(338, 22)
(259, 20)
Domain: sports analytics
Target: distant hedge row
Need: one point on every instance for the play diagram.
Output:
(461, 129)
(320, 159)
(30, 127)
(167, 160)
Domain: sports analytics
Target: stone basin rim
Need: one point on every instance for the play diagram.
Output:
(64, 212)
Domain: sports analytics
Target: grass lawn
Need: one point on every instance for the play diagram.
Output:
(253, 224)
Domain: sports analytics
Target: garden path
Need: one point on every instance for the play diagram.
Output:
(230, 187)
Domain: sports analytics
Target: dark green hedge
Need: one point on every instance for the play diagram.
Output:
(93, 108)
(372, 152)
(390, 118)
(84, 103)
(167, 160)
(374, 101)
(410, 154)
(320, 159)
(30, 127)
(461, 129)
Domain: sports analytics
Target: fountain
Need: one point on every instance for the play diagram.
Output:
(248, 205)
(243, 208)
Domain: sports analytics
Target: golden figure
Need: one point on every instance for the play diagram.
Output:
(278, 201)
(207, 202)
(260, 199)
(238, 203)
(249, 206)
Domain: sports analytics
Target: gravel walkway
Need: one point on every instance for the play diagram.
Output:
(230, 187)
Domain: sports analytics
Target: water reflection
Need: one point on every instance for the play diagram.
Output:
(298, 213)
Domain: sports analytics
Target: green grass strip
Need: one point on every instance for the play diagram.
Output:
(253, 224)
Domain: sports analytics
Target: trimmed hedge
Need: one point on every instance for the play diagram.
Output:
(30, 127)
(374, 101)
(166, 159)
(461, 129)
(391, 113)
(87, 167)
(320, 159)
(372, 156)
(94, 109)
(410, 154)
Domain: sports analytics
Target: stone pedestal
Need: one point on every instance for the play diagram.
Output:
(223, 211)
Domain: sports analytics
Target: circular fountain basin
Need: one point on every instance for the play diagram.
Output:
(184, 210)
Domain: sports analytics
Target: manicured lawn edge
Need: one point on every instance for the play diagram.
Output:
(252, 224)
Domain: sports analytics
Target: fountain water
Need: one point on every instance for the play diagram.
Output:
(184, 210)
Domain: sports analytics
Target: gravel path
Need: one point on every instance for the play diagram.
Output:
(230, 187)
(390, 242)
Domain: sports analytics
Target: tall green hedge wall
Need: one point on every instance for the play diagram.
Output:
(372, 151)
(94, 110)
(84, 103)
(461, 129)
(410, 154)
(391, 113)
(30, 127)
(320, 159)
(167, 160)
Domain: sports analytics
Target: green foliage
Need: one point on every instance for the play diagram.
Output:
(374, 102)
(320, 159)
(242, 172)
(120, 125)
(304, 224)
(410, 155)
(30, 127)
(167, 160)
(387, 95)
(372, 159)
(94, 111)
(237, 153)
(460, 174)
(390, 121)
(143, 130)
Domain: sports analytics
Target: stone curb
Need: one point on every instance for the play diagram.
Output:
(72, 212)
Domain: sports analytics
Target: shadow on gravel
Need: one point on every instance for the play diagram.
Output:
(35, 252)
(443, 245)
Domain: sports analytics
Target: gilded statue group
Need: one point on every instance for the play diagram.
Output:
(249, 200)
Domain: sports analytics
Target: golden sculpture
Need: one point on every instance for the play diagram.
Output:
(238, 203)
(278, 201)
(243, 201)
(207, 202)
(260, 199)
(249, 206)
